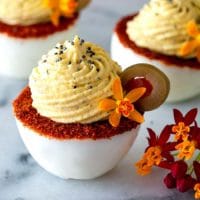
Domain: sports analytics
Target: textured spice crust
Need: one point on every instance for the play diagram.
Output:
(120, 30)
(26, 114)
(37, 30)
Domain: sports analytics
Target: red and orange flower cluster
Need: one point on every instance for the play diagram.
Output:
(59, 8)
(176, 155)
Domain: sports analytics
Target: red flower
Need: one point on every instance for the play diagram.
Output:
(195, 135)
(188, 119)
(179, 169)
(162, 142)
(170, 181)
(187, 142)
(197, 170)
(181, 129)
(185, 183)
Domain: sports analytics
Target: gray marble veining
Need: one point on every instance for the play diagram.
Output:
(22, 179)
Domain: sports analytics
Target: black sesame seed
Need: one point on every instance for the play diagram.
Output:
(61, 52)
(91, 67)
(83, 56)
(58, 60)
(65, 48)
(70, 63)
(82, 41)
(56, 53)
(74, 86)
(90, 62)
(98, 69)
(61, 46)
(89, 48)
(72, 43)
(44, 61)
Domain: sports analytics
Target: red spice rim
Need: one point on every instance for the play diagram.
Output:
(28, 116)
(170, 61)
(37, 30)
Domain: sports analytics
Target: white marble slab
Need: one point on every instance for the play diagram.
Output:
(22, 179)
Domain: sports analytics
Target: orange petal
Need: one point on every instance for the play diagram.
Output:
(117, 89)
(192, 28)
(188, 47)
(136, 116)
(107, 104)
(51, 3)
(136, 94)
(68, 7)
(55, 17)
(114, 118)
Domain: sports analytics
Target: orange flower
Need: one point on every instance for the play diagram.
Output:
(186, 149)
(59, 8)
(122, 106)
(153, 155)
(193, 45)
(181, 131)
(197, 191)
(143, 167)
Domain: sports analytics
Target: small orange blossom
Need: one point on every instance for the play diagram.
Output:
(193, 45)
(181, 131)
(186, 148)
(122, 106)
(197, 191)
(59, 8)
(143, 167)
(153, 155)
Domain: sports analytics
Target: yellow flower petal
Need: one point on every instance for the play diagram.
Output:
(188, 47)
(114, 118)
(117, 89)
(107, 104)
(136, 116)
(192, 28)
(135, 94)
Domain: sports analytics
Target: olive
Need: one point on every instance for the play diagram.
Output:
(156, 82)
(82, 4)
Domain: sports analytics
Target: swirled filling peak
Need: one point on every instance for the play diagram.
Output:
(70, 81)
(161, 25)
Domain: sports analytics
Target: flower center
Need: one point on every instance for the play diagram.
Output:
(125, 107)
(154, 155)
(181, 131)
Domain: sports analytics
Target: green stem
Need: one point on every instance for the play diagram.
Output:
(191, 169)
(198, 157)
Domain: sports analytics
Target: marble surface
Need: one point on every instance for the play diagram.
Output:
(22, 179)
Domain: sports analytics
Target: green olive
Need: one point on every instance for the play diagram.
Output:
(158, 80)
